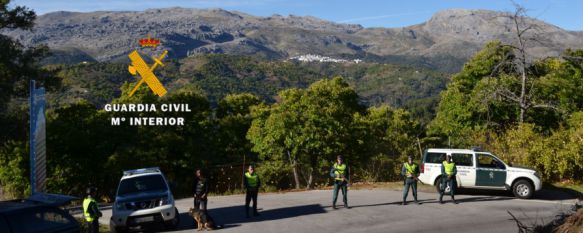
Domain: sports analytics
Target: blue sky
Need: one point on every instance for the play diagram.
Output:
(369, 13)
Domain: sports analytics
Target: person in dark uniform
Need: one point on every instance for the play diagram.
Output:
(448, 178)
(91, 211)
(200, 191)
(252, 184)
(410, 171)
(340, 173)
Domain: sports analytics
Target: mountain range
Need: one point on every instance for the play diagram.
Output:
(444, 42)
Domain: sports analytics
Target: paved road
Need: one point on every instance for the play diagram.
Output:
(375, 211)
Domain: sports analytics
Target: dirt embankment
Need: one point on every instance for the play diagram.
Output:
(572, 224)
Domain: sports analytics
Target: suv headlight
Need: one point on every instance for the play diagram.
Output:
(164, 201)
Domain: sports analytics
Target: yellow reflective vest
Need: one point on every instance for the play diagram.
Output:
(86, 203)
(339, 171)
(448, 168)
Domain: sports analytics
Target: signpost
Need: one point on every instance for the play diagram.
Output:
(38, 152)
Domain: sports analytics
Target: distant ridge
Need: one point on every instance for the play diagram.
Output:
(444, 42)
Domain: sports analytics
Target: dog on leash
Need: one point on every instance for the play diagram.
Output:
(203, 220)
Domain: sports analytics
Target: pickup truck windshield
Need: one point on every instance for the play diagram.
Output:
(142, 184)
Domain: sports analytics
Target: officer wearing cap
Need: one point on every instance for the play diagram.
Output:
(340, 174)
(410, 171)
(448, 173)
(91, 211)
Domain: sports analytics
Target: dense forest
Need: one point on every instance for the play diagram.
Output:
(218, 75)
(289, 118)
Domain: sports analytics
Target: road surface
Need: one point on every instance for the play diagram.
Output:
(375, 210)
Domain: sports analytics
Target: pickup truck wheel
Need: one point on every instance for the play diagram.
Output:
(523, 189)
(114, 229)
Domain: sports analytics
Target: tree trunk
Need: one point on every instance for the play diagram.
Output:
(311, 179)
(522, 58)
(294, 164)
(296, 175)
(522, 96)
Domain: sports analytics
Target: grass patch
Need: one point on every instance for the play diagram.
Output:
(569, 187)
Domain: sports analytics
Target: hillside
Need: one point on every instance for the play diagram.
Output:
(218, 75)
(444, 42)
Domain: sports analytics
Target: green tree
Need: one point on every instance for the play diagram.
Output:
(18, 65)
(308, 126)
(234, 118)
(462, 107)
(14, 173)
(388, 136)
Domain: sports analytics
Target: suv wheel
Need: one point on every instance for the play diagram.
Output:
(523, 189)
(439, 184)
(114, 229)
(173, 223)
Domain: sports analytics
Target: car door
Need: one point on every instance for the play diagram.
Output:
(466, 171)
(489, 171)
(4, 227)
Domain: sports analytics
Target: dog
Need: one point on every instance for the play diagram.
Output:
(203, 220)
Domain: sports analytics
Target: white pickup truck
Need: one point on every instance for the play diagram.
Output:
(480, 170)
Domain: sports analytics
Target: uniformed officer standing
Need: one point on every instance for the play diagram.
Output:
(91, 211)
(448, 173)
(200, 191)
(340, 173)
(252, 184)
(410, 171)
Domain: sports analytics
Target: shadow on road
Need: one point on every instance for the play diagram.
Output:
(447, 199)
(186, 223)
(232, 216)
(548, 194)
(409, 202)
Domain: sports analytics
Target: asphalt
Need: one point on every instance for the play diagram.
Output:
(376, 210)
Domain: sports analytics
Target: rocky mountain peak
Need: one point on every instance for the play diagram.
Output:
(444, 42)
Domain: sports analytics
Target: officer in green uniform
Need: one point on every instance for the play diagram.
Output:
(91, 211)
(340, 174)
(448, 173)
(410, 171)
(252, 184)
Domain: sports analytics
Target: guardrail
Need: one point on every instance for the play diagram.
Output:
(77, 210)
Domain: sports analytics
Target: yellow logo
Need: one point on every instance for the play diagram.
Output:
(140, 67)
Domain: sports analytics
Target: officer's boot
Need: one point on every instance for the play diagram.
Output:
(246, 211)
(453, 199)
(441, 198)
(346, 205)
(404, 202)
(416, 202)
(334, 205)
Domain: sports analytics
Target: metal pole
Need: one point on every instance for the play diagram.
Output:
(31, 137)
(243, 174)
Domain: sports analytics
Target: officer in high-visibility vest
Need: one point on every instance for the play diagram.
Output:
(252, 184)
(340, 173)
(410, 171)
(448, 173)
(91, 211)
